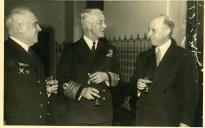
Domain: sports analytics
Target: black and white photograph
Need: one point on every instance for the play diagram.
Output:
(103, 63)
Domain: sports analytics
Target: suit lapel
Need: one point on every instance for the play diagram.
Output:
(149, 64)
(100, 55)
(166, 63)
(35, 60)
(84, 54)
(100, 52)
(26, 57)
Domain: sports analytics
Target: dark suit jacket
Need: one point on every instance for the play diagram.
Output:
(25, 98)
(174, 87)
(75, 64)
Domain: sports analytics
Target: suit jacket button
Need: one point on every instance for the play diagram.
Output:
(103, 90)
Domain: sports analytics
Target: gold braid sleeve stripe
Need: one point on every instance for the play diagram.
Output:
(70, 89)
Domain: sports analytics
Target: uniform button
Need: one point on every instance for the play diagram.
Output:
(40, 116)
(48, 114)
(40, 92)
(41, 105)
(39, 81)
(48, 102)
(104, 98)
(103, 90)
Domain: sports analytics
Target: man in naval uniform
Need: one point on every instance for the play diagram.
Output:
(87, 70)
(25, 90)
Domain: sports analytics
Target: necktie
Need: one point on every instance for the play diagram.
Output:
(93, 47)
(158, 56)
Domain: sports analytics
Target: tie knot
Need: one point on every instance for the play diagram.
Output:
(94, 43)
(93, 47)
(158, 55)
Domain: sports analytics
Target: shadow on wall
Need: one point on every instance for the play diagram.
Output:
(44, 49)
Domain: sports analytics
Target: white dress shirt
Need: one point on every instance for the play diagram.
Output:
(163, 48)
(89, 42)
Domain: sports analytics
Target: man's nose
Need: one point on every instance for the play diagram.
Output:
(39, 28)
(104, 25)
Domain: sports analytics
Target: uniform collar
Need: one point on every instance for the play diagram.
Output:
(22, 44)
(89, 42)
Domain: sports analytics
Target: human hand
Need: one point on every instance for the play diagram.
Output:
(51, 85)
(142, 84)
(98, 77)
(90, 93)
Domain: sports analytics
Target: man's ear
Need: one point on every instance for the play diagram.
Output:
(19, 27)
(167, 31)
(89, 25)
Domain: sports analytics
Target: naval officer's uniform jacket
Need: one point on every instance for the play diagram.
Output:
(75, 64)
(25, 98)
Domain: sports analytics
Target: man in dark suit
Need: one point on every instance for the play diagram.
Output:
(87, 70)
(171, 99)
(25, 92)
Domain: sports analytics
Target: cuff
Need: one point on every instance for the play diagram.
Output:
(72, 90)
(113, 79)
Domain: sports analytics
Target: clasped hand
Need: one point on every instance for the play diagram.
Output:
(91, 93)
(97, 77)
(142, 84)
(52, 86)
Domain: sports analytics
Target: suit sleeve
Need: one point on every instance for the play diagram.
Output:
(189, 82)
(113, 74)
(68, 88)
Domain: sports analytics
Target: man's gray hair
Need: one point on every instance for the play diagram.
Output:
(87, 15)
(169, 23)
(15, 14)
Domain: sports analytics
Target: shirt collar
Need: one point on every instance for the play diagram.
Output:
(22, 44)
(89, 42)
(163, 48)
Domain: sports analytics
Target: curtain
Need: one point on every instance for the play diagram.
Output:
(194, 42)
